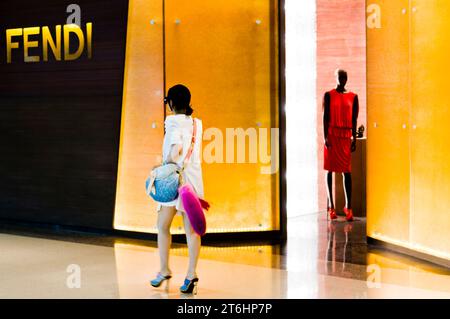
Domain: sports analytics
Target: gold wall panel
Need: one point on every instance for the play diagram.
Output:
(430, 114)
(140, 144)
(407, 57)
(229, 62)
(388, 141)
(226, 52)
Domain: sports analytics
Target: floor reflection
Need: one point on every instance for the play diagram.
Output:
(321, 259)
(335, 247)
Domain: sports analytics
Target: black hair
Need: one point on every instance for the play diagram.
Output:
(181, 99)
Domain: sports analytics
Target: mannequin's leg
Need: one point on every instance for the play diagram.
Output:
(348, 189)
(329, 181)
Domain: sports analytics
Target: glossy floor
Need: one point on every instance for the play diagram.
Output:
(320, 260)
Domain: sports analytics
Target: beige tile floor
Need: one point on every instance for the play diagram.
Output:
(38, 268)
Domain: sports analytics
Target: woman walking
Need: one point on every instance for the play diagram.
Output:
(182, 145)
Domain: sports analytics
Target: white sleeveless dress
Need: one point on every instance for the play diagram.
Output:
(179, 130)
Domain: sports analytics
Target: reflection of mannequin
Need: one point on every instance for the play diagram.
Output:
(347, 231)
(333, 246)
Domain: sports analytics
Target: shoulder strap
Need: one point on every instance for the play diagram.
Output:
(191, 147)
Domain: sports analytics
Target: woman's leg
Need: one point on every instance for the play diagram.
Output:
(348, 189)
(194, 244)
(165, 218)
(329, 180)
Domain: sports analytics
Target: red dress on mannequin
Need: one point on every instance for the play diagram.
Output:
(338, 154)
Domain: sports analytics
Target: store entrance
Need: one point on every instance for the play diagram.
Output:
(320, 38)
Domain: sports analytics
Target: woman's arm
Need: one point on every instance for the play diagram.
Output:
(173, 140)
(175, 152)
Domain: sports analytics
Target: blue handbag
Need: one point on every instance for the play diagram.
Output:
(163, 183)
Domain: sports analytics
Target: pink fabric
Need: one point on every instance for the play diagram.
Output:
(193, 208)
